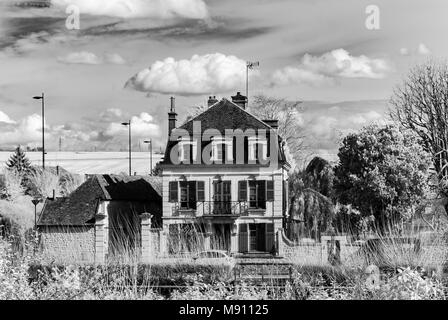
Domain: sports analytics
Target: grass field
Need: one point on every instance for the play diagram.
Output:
(91, 162)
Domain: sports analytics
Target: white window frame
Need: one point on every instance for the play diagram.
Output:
(252, 146)
(182, 143)
(219, 141)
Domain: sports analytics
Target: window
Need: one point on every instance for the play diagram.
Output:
(258, 148)
(187, 150)
(200, 189)
(242, 191)
(187, 193)
(222, 148)
(269, 190)
(257, 194)
(173, 191)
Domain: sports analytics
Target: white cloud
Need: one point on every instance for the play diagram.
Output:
(27, 130)
(329, 66)
(85, 57)
(156, 9)
(5, 118)
(106, 133)
(404, 51)
(206, 74)
(141, 126)
(423, 49)
(114, 58)
(82, 57)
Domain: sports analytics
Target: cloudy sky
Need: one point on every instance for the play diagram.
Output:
(129, 56)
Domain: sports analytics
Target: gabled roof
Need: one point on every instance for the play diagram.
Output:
(80, 207)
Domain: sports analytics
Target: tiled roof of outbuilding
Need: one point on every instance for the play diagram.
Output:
(80, 207)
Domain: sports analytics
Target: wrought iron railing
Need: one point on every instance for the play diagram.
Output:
(207, 208)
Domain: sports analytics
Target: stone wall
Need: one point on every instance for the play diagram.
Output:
(74, 244)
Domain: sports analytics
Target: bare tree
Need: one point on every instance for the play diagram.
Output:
(421, 104)
(288, 115)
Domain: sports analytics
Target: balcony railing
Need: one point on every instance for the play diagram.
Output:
(208, 208)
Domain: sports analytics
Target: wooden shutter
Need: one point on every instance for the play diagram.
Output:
(242, 191)
(173, 191)
(261, 193)
(200, 191)
(269, 190)
(192, 194)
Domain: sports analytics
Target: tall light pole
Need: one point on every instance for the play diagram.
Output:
(249, 65)
(150, 155)
(129, 125)
(42, 97)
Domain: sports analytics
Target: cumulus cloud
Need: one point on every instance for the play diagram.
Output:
(210, 73)
(404, 51)
(105, 133)
(27, 130)
(325, 68)
(141, 126)
(158, 9)
(423, 49)
(85, 57)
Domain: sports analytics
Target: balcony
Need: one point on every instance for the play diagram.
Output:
(231, 209)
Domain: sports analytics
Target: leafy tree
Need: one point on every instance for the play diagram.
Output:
(421, 105)
(383, 173)
(19, 162)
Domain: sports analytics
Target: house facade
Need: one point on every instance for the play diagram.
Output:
(224, 181)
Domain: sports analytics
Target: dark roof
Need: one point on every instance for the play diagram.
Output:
(80, 207)
(225, 115)
(221, 116)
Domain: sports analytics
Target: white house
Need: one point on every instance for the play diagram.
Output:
(225, 179)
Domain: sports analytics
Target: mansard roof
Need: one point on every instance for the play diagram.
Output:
(225, 114)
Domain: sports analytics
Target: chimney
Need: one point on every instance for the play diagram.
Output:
(273, 123)
(240, 100)
(172, 117)
(211, 101)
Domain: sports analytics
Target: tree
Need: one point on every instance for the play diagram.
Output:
(383, 173)
(421, 105)
(19, 162)
(288, 115)
(312, 208)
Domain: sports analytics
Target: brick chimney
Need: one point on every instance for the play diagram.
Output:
(172, 116)
(211, 101)
(240, 100)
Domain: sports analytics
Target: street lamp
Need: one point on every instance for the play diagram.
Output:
(42, 97)
(35, 201)
(129, 125)
(150, 155)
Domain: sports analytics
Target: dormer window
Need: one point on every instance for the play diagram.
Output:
(187, 150)
(257, 147)
(221, 148)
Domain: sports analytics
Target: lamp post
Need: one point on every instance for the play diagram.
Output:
(35, 201)
(129, 125)
(42, 97)
(150, 155)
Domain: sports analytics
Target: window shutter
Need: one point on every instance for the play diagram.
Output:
(200, 189)
(192, 194)
(173, 191)
(269, 190)
(261, 194)
(242, 191)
